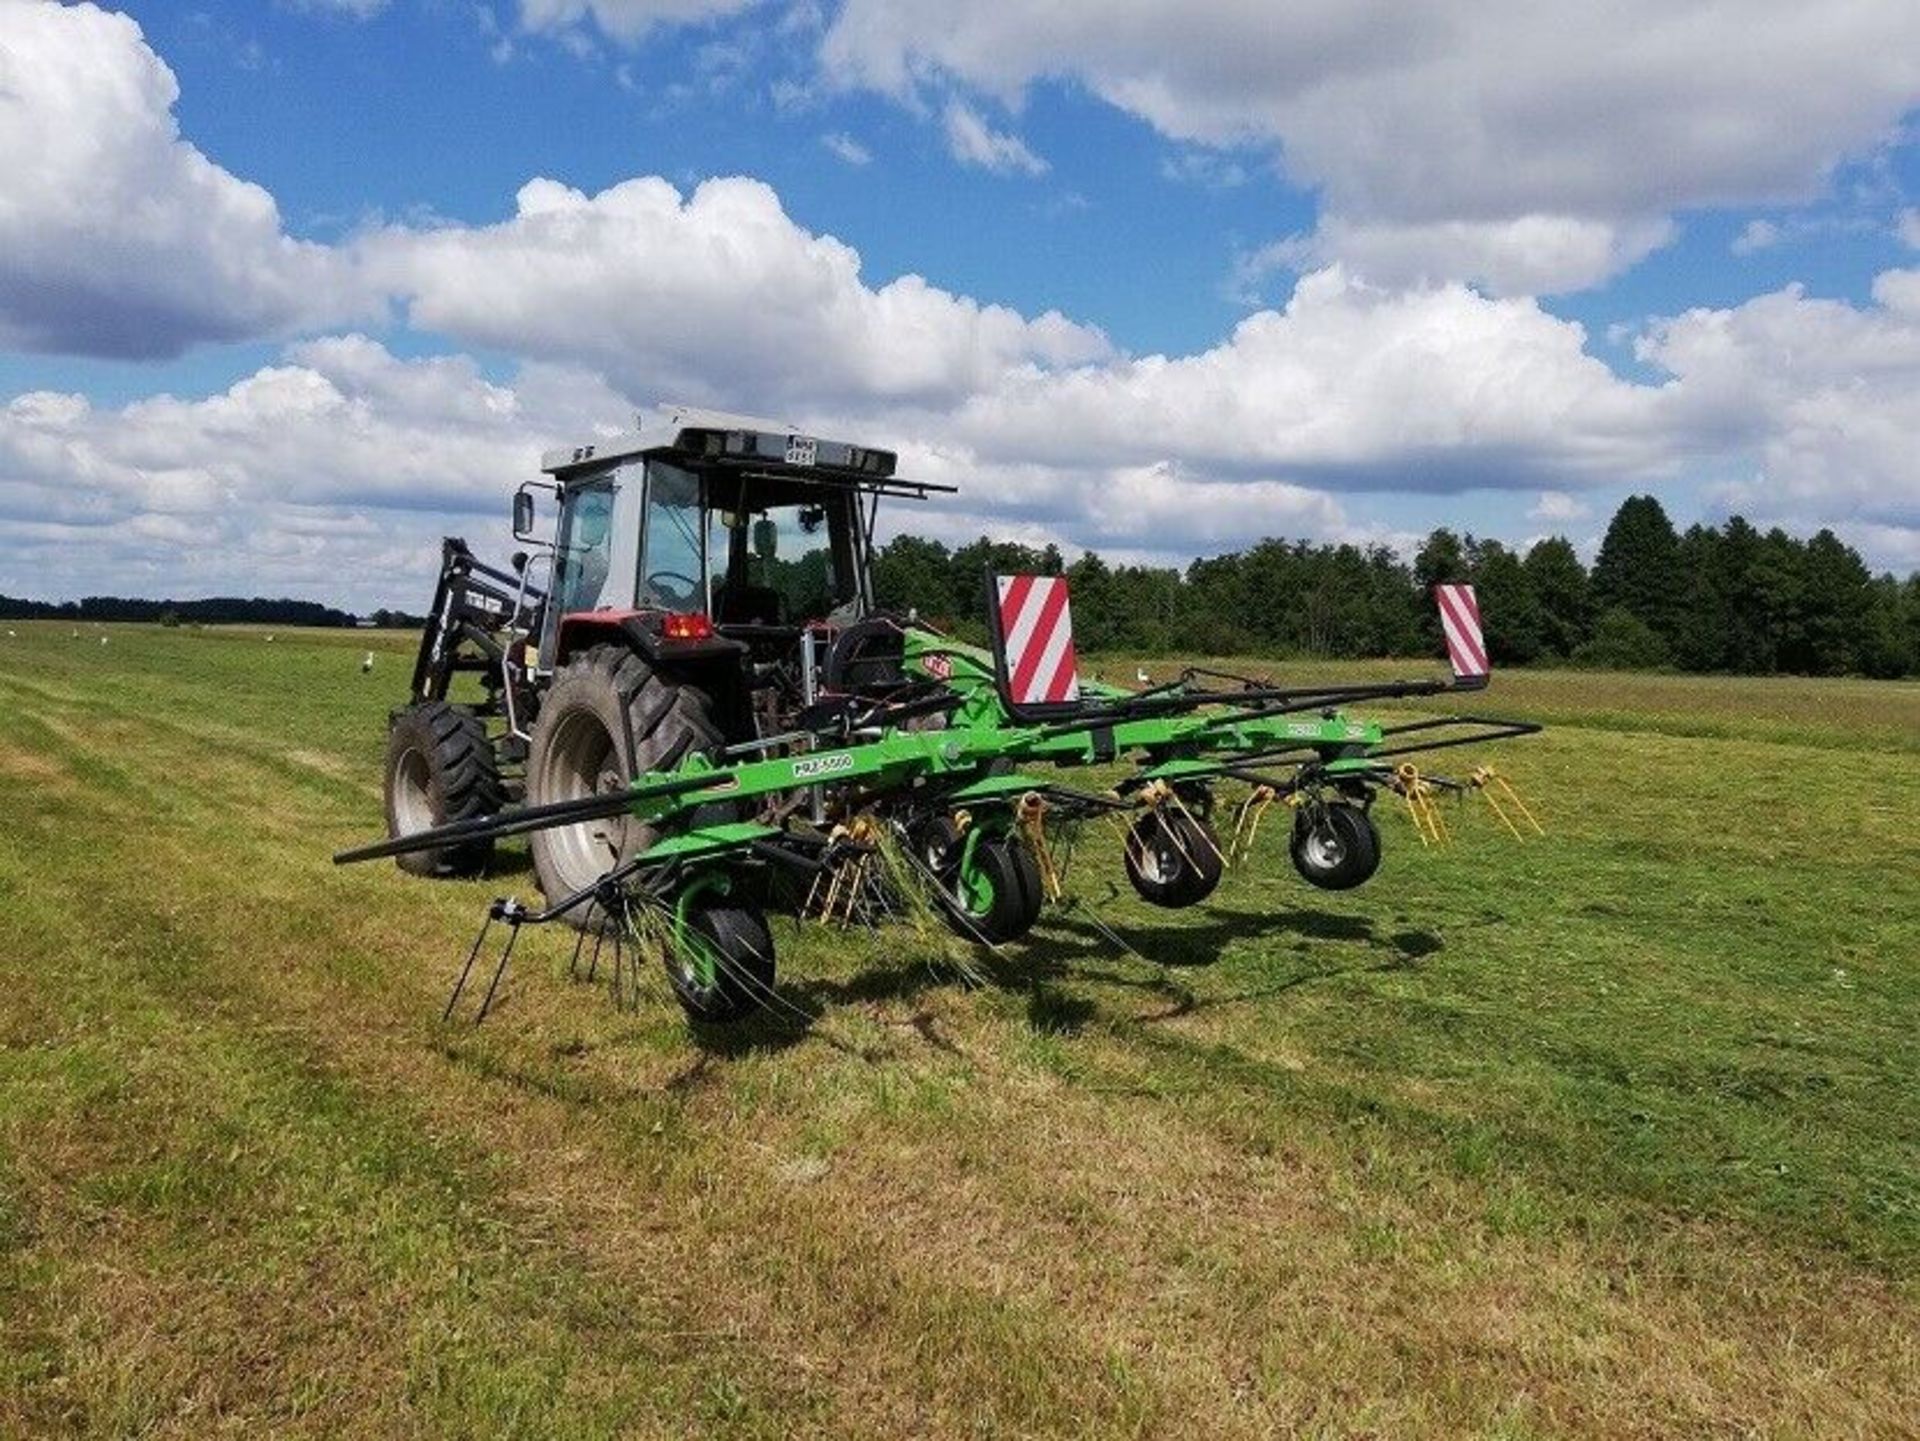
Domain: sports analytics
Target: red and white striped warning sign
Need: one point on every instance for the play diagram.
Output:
(1036, 631)
(1460, 619)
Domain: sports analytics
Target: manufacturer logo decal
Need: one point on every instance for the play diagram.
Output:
(939, 666)
(817, 766)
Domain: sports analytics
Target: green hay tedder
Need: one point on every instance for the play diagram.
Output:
(703, 714)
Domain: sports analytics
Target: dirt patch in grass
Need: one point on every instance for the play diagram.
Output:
(32, 768)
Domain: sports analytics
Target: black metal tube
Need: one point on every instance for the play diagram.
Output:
(531, 818)
(1251, 704)
(495, 573)
(766, 849)
(1496, 731)
(460, 984)
(1499, 723)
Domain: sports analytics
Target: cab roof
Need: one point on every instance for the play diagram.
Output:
(694, 436)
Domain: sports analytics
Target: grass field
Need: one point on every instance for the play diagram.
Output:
(1614, 1133)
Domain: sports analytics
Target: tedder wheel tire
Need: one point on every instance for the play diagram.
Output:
(1337, 849)
(440, 769)
(1173, 858)
(722, 968)
(998, 897)
(579, 747)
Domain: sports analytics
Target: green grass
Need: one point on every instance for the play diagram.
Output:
(1611, 1133)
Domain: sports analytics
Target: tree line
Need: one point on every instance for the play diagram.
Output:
(215, 610)
(1724, 598)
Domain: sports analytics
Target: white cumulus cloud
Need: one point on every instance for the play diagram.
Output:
(358, 9)
(332, 470)
(1514, 142)
(1357, 388)
(117, 237)
(973, 142)
(331, 474)
(626, 20)
(1823, 395)
(843, 146)
(711, 296)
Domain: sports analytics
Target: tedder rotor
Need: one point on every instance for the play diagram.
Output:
(697, 730)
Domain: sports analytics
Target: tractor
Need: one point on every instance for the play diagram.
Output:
(700, 589)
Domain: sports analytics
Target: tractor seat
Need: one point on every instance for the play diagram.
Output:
(868, 658)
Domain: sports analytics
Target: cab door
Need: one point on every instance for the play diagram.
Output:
(583, 557)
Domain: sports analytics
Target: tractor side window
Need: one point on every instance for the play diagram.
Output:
(586, 543)
(673, 570)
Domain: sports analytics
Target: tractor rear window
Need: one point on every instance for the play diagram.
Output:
(781, 565)
(800, 564)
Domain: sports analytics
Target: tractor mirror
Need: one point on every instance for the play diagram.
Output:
(522, 514)
(519, 561)
(766, 538)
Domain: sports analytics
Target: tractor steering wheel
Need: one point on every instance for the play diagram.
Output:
(653, 583)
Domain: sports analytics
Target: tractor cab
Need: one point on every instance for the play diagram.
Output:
(720, 527)
(704, 588)
(734, 551)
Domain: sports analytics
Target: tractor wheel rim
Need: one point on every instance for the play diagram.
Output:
(412, 793)
(582, 762)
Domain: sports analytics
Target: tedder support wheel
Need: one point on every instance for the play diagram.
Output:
(440, 769)
(720, 964)
(579, 747)
(1173, 858)
(1335, 847)
(995, 890)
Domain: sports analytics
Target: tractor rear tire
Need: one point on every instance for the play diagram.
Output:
(607, 717)
(1337, 849)
(1173, 858)
(730, 975)
(440, 769)
(1001, 899)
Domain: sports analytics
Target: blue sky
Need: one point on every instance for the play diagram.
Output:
(1406, 266)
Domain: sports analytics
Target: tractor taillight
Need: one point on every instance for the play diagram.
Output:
(690, 626)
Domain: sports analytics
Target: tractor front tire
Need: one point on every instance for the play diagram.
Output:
(1173, 858)
(1336, 848)
(607, 717)
(721, 966)
(440, 769)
